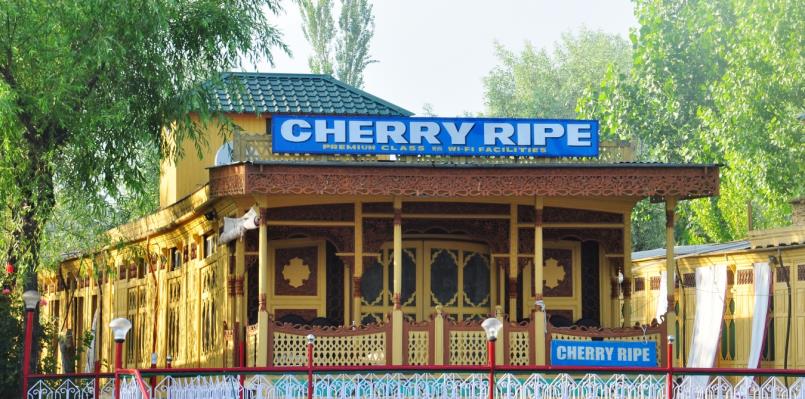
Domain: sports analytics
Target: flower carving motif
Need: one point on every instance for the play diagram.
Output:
(296, 272)
(553, 273)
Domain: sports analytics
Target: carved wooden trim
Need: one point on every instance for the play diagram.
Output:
(356, 286)
(614, 289)
(230, 286)
(538, 217)
(746, 276)
(626, 288)
(262, 302)
(544, 180)
(513, 294)
(239, 286)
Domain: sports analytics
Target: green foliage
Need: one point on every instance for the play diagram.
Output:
(350, 42)
(319, 31)
(539, 83)
(12, 324)
(716, 82)
(86, 88)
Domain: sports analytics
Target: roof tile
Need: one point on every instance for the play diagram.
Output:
(297, 93)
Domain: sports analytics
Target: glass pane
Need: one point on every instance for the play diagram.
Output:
(372, 284)
(444, 277)
(407, 297)
(476, 279)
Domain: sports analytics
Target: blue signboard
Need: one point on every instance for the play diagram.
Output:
(434, 136)
(604, 353)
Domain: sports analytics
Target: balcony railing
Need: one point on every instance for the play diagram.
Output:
(429, 382)
(256, 147)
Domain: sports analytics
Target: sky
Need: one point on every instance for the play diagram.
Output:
(438, 51)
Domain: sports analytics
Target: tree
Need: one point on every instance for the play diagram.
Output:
(319, 30)
(86, 85)
(539, 83)
(356, 26)
(716, 82)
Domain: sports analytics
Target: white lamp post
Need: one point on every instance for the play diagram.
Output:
(311, 339)
(492, 327)
(120, 327)
(31, 299)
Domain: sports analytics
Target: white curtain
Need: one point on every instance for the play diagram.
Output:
(760, 313)
(662, 299)
(711, 288)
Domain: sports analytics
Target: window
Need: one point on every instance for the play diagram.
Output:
(209, 244)
(173, 321)
(176, 258)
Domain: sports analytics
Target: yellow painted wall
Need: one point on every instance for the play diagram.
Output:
(743, 296)
(187, 174)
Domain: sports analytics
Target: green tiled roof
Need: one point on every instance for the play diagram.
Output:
(297, 94)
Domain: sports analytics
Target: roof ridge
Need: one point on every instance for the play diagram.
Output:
(372, 97)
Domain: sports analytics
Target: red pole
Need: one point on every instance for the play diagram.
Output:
(491, 353)
(153, 379)
(26, 357)
(309, 369)
(97, 369)
(118, 365)
(669, 365)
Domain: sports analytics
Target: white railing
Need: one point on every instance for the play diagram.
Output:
(424, 385)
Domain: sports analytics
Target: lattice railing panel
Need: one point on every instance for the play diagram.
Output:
(347, 350)
(468, 348)
(418, 347)
(519, 348)
(434, 386)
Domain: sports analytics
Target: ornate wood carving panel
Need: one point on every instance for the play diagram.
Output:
(333, 212)
(341, 237)
(553, 180)
(296, 271)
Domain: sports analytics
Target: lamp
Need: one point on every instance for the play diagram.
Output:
(311, 339)
(492, 327)
(31, 299)
(120, 327)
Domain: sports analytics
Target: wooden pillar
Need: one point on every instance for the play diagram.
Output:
(539, 310)
(357, 265)
(239, 314)
(627, 268)
(513, 270)
(396, 315)
(615, 294)
(670, 268)
(231, 305)
(262, 286)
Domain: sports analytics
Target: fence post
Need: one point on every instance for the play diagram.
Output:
(311, 339)
(120, 327)
(438, 337)
(31, 299)
(669, 366)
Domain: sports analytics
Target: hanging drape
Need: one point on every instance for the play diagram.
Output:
(760, 314)
(662, 299)
(711, 289)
